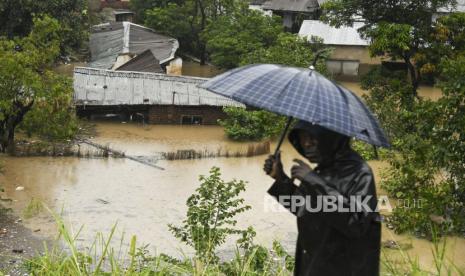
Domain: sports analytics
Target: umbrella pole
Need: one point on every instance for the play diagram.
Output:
(283, 135)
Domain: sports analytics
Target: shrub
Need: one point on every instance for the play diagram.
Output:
(255, 125)
(211, 216)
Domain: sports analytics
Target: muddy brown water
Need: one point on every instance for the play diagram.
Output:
(97, 193)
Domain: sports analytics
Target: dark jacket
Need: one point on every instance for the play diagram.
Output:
(335, 243)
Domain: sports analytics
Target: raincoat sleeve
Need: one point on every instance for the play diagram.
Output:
(282, 191)
(360, 210)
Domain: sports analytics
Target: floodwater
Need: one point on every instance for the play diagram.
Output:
(97, 193)
(192, 68)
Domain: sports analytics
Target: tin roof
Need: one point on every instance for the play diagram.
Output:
(106, 87)
(109, 40)
(332, 35)
(291, 5)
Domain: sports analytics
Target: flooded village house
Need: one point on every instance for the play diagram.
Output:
(158, 98)
(134, 72)
(350, 57)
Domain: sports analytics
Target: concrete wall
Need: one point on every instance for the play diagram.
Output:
(173, 114)
(349, 63)
(359, 53)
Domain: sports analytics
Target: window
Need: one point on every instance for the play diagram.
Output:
(343, 67)
(191, 120)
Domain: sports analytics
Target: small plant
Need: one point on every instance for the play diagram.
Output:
(34, 207)
(210, 216)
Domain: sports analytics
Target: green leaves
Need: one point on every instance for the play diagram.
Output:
(211, 216)
(391, 39)
(243, 125)
(26, 85)
(232, 36)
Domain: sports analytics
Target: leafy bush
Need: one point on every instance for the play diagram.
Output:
(255, 125)
(427, 162)
(210, 216)
(53, 116)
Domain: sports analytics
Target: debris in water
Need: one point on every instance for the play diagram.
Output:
(99, 200)
(391, 244)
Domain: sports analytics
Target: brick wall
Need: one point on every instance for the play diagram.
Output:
(173, 114)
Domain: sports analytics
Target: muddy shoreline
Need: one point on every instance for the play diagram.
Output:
(17, 244)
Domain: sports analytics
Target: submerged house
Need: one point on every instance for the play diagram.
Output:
(115, 45)
(350, 57)
(294, 11)
(158, 98)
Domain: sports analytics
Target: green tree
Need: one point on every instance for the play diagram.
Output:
(211, 216)
(397, 29)
(53, 115)
(187, 20)
(292, 50)
(447, 41)
(16, 19)
(230, 37)
(244, 125)
(24, 76)
(139, 7)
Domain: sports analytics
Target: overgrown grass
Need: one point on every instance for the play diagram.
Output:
(252, 150)
(102, 259)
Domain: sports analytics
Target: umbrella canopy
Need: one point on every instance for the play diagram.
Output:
(303, 94)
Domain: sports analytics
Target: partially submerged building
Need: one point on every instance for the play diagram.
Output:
(159, 98)
(294, 11)
(350, 57)
(114, 45)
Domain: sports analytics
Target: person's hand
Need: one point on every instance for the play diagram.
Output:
(273, 167)
(300, 170)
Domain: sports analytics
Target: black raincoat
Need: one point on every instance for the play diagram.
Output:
(334, 243)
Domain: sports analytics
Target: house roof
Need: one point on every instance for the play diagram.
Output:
(123, 11)
(144, 62)
(106, 87)
(291, 5)
(460, 7)
(109, 40)
(332, 35)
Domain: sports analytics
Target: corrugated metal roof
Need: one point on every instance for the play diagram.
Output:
(332, 35)
(109, 40)
(106, 87)
(291, 5)
(144, 62)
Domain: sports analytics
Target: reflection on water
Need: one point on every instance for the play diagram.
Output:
(143, 200)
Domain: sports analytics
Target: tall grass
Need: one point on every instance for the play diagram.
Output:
(405, 264)
(102, 259)
(252, 150)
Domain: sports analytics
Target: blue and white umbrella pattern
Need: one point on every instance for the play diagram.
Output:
(303, 94)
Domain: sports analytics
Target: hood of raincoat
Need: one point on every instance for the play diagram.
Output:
(330, 146)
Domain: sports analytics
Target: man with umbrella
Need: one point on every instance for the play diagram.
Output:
(331, 241)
